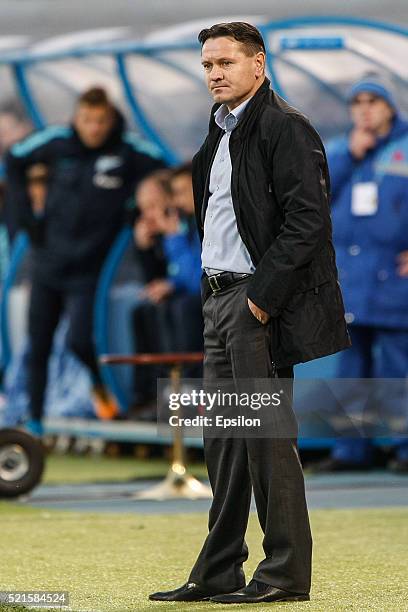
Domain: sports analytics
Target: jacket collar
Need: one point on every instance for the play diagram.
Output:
(249, 110)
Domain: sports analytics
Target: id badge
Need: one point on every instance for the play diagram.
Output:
(364, 199)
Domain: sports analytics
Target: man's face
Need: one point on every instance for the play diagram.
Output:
(12, 130)
(371, 113)
(231, 75)
(151, 199)
(93, 124)
(182, 189)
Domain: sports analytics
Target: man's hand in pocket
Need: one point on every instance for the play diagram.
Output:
(261, 315)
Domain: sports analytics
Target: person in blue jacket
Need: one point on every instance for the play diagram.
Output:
(169, 315)
(369, 181)
(181, 242)
(182, 251)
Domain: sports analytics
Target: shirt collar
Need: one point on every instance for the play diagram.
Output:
(228, 120)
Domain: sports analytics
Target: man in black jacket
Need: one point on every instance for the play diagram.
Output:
(270, 300)
(93, 166)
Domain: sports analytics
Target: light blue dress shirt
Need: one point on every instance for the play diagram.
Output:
(223, 249)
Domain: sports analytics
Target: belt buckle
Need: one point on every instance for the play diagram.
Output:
(213, 281)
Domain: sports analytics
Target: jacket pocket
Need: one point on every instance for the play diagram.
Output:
(306, 294)
(321, 270)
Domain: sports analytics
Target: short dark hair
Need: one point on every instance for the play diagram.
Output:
(186, 168)
(15, 109)
(243, 32)
(95, 96)
(161, 177)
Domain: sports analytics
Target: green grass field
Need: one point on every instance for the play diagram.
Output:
(76, 469)
(112, 562)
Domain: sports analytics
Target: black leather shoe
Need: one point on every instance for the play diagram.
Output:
(190, 591)
(259, 592)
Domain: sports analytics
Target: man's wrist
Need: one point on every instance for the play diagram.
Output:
(260, 303)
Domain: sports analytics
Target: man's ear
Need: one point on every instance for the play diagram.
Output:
(259, 64)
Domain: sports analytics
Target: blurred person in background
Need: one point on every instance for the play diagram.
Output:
(180, 238)
(369, 180)
(169, 318)
(93, 167)
(166, 206)
(152, 196)
(14, 126)
(182, 249)
(37, 179)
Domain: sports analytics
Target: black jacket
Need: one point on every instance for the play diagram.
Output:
(280, 191)
(88, 191)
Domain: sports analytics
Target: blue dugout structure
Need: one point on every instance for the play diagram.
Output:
(158, 85)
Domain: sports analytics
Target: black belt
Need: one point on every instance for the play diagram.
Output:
(220, 281)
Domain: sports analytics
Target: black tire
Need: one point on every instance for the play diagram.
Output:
(21, 462)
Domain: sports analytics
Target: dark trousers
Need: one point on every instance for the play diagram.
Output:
(47, 304)
(236, 346)
(150, 328)
(174, 325)
(186, 323)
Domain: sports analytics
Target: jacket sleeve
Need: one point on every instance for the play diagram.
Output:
(298, 167)
(183, 261)
(40, 147)
(341, 164)
(146, 156)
